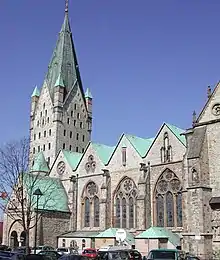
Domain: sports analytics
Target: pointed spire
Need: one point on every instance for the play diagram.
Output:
(88, 93)
(194, 118)
(59, 82)
(66, 6)
(36, 92)
(40, 163)
(64, 60)
(209, 92)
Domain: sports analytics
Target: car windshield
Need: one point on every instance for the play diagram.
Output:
(162, 255)
(62, 249)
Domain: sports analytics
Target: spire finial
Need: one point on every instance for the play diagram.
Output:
(66, 6)
(209, 92)
(194, 118)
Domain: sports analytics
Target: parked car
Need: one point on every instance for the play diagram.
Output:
(169, 254)
(119, 253)
(64, 250)
(41, 248)
(22, 250)
(90, 253)
(6, 255)
(71, 257)
(51, 253)
(37, 257)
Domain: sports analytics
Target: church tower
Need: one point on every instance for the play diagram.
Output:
(61, 113)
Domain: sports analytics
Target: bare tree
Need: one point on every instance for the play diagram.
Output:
(19, 185)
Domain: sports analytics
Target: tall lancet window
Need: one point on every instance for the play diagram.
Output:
(166, 149)
(91, 205)
(87, 213)
(96, 211)
(125, 204)
(168, 200)
(124, 156)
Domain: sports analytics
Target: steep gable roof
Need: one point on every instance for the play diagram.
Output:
(104, 152)
(72, 158)
(54, 196)
(40, 164)
(178, 132)
(209, 100)
(159, 232)
(141, 145)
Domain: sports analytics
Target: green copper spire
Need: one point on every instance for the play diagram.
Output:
(59, 82)
(88, 93)
(40, 164)
(64, 61)
(36, 92)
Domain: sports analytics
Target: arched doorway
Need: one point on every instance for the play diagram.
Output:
(23, 238)
(14, 239)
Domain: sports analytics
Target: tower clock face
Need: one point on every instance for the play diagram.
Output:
(61, 168)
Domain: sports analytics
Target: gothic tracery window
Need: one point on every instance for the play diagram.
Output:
(125, 204)
(87, 213)
(91, 205)
(166, 149)
(168, 199)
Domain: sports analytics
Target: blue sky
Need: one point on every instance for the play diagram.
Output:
(146, 61)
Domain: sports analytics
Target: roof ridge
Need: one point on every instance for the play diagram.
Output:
(102, 144)
(174, 126)
(144, 138)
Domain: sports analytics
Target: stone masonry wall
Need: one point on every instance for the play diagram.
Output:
(52, 225)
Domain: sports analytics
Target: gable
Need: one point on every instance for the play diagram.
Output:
(211, 110)
(64, 164)
(93, 159)
(176, 141)
(132, 156)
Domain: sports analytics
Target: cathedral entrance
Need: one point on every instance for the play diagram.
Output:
(23, 238)
(14, 239)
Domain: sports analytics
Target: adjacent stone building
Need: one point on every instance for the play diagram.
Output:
(170, 180)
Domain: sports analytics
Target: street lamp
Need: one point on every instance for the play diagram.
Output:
(37, 193)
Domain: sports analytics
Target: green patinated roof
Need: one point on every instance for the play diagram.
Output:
(72, 158)
(177, 132)
(103, 151)
(64, 56)
(88, 93)
(54, 196)
(141, 145)
(36, 92)
(40, 164)
(59, 82)
(159, 232)
(111, 233)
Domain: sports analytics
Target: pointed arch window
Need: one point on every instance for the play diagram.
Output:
(96, 211)
(87, 213)
(170, 211)
(125, 204)
(91, 205)
(168, 200)
(118, 213)
(131, 212)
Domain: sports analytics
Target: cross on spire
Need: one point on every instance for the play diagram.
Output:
(66, 6)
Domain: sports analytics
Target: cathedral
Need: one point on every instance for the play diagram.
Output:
(169, 182)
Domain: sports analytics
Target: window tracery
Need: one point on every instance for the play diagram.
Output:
(90, 204)
(90, 165)
(168, 198)
(125, 204)
(166, 149)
